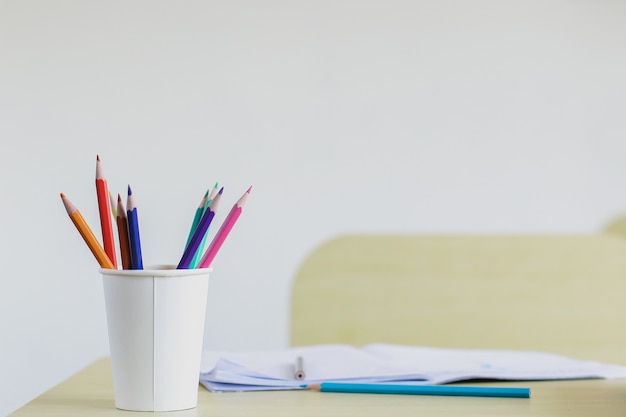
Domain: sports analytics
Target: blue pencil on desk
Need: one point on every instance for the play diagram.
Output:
(450, 390)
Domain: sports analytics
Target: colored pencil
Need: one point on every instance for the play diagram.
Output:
(104, 206)
(299, 369)
(196, 259)
(88, 236)
(224, 230)
(200, 232)
(197, 216)
(122, 232)
(449, 390)
(214, 191)
(134, 238)
(113, 205)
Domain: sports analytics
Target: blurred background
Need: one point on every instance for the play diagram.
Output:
(370, 116)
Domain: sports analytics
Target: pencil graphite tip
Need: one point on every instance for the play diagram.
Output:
(99, 172)
(221, 190)
(69, 207)
(130, 192)
(119, 197)
(249, 189)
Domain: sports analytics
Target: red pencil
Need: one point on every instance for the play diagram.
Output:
(106, 221)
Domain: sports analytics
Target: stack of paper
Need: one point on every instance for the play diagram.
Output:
(274, 369)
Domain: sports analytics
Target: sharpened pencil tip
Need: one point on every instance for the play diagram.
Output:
(248, 191)
(221, 190)
(130, 192)
(98, 158)
(62, 195)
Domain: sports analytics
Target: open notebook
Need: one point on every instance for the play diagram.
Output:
(275, 369)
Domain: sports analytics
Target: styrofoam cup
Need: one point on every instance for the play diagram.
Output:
(155, 322)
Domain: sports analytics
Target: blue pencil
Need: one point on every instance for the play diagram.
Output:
(450, 390)
(134, 240)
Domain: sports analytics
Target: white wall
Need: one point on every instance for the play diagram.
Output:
(442, 116)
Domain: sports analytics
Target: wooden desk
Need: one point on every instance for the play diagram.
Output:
(90, 393)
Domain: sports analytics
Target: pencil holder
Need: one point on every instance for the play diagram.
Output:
(155, 321)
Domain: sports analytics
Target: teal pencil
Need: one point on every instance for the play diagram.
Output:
(198, 215)
(450, 390)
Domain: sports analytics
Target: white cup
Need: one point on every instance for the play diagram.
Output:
(155, 321)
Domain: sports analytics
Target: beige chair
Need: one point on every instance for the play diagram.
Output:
(563, 294)
(616, 226)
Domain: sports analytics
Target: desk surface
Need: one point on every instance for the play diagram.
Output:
(90, 393)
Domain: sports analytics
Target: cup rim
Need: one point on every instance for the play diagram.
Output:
(164, 270)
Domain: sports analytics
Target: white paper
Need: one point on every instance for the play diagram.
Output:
(274, 369)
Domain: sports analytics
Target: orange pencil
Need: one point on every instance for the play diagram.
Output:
(104, 206)
(88, 236)
(122, 231)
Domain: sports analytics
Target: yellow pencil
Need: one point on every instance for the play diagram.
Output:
(88, 236)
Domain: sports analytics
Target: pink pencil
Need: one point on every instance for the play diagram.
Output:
(223, 231)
